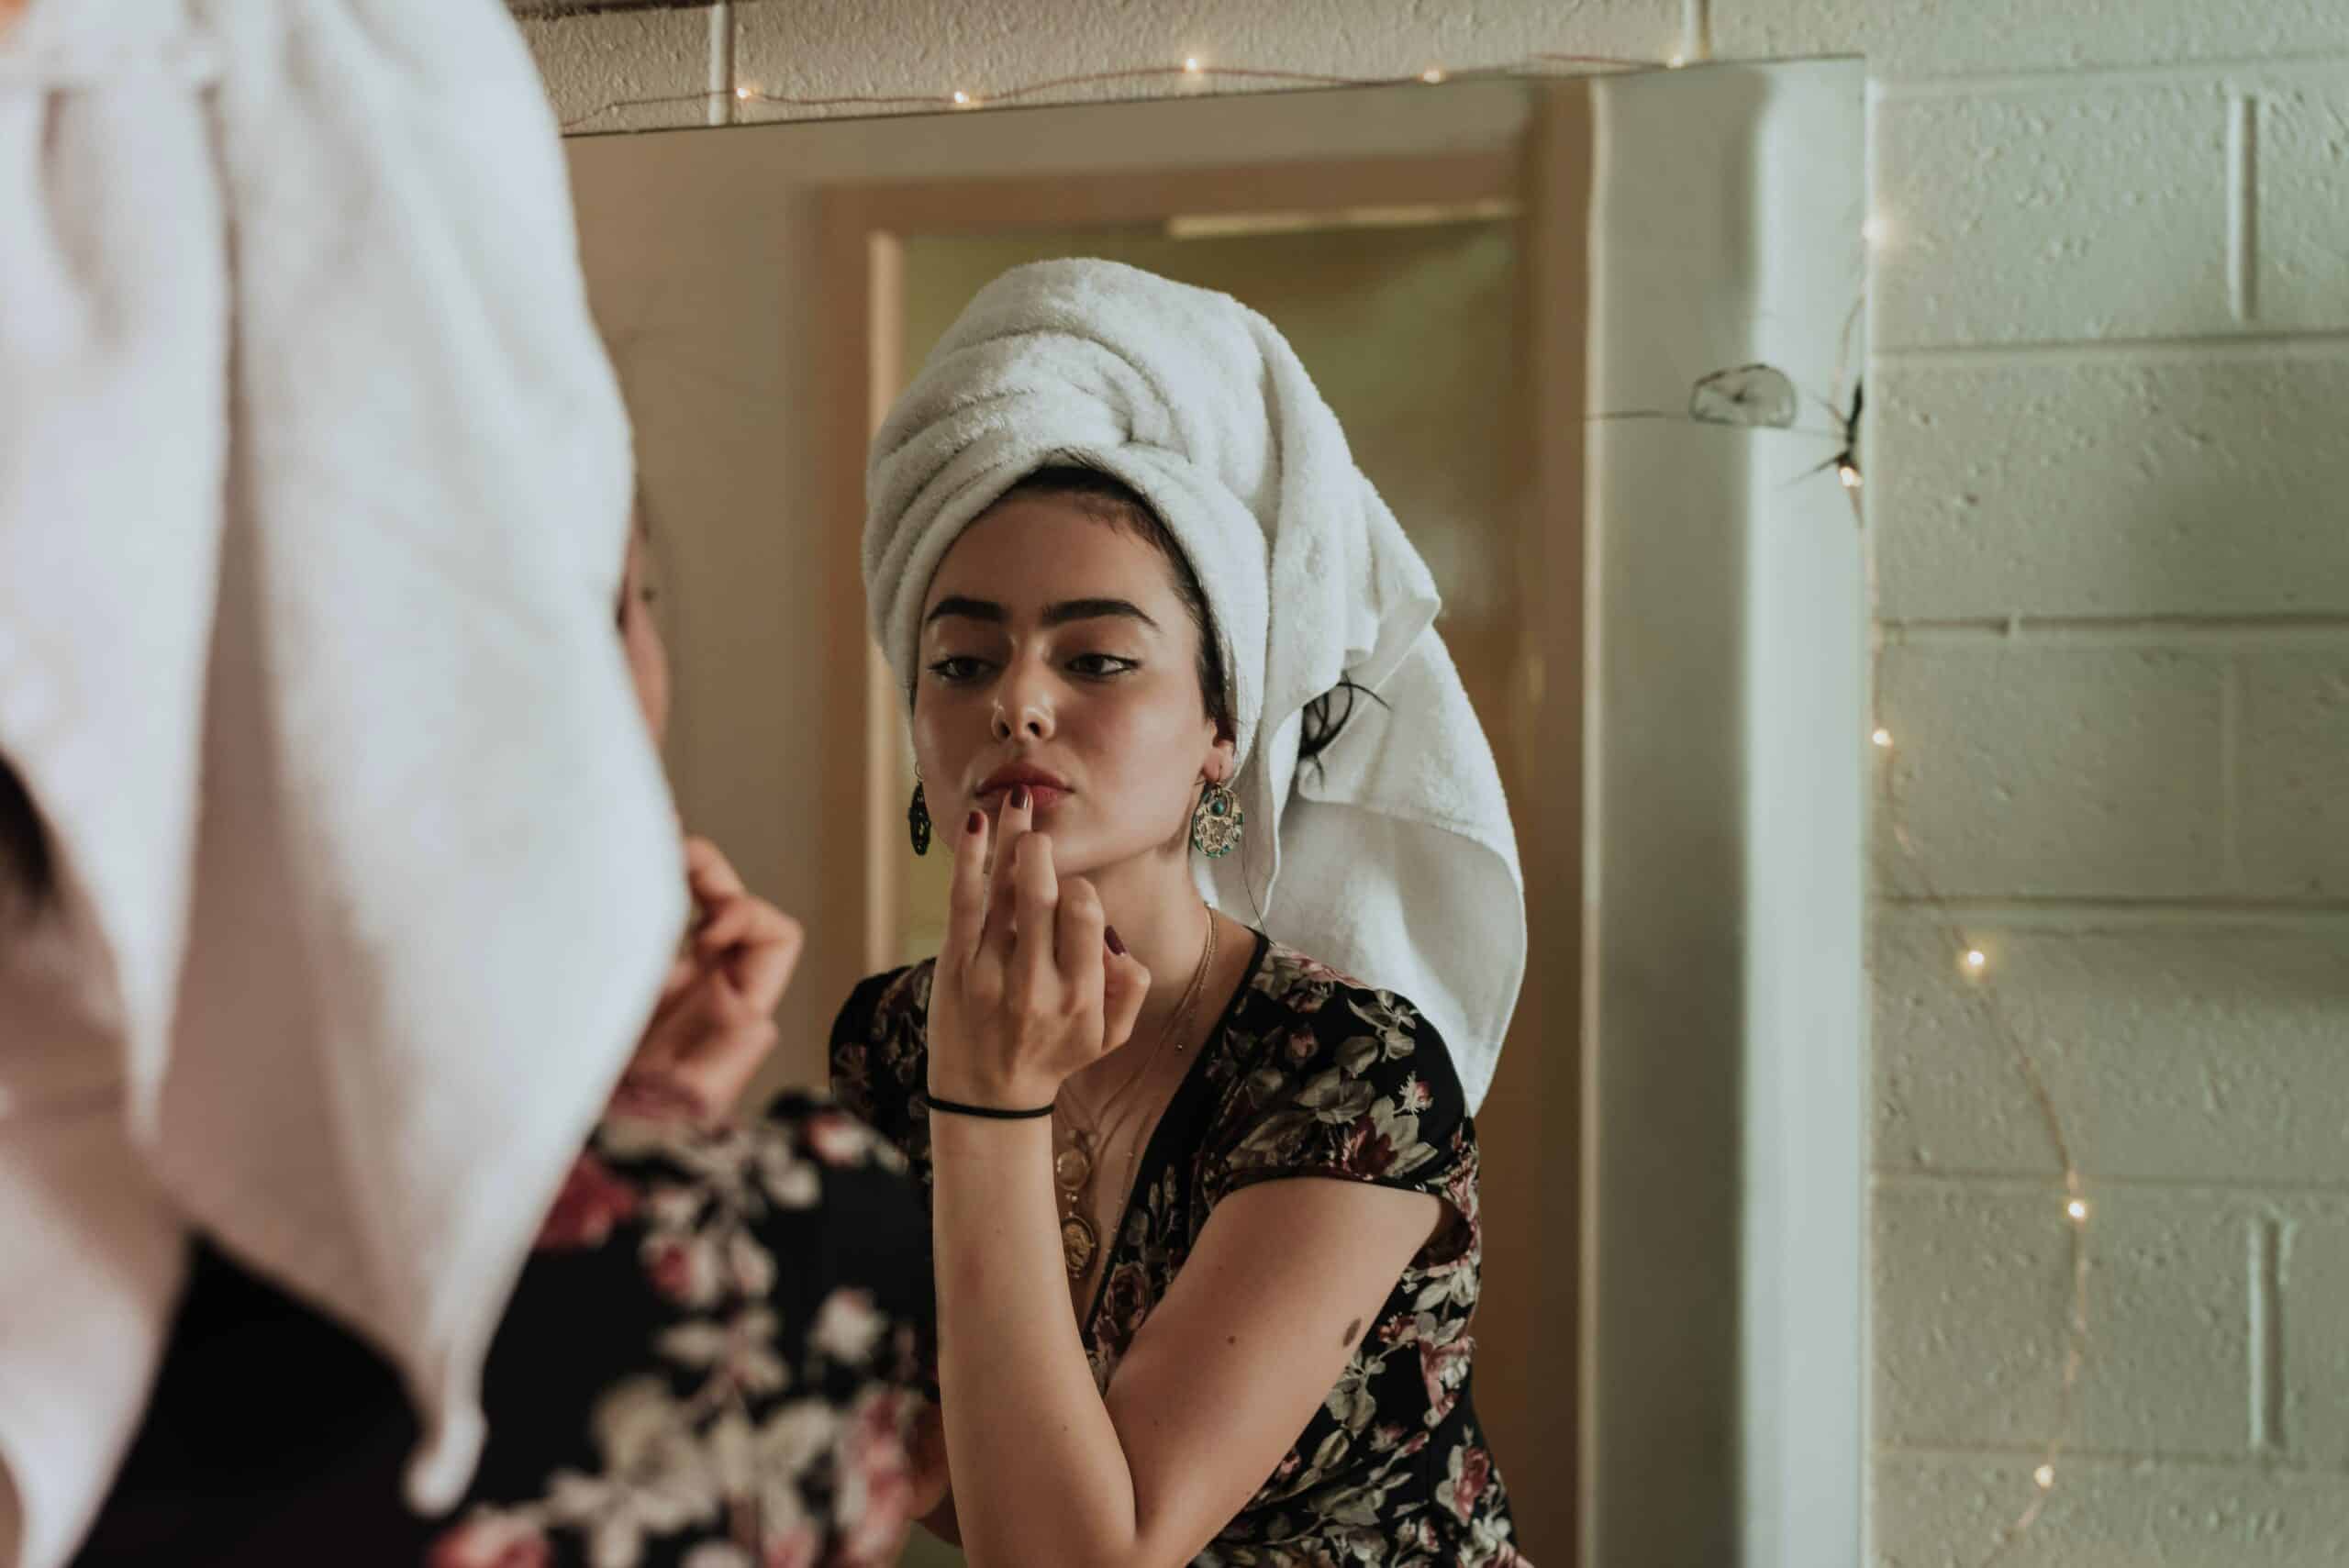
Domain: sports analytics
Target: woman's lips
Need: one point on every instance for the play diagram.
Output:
(1043, 797)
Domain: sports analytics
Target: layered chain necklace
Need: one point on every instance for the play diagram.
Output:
(1077, 1162)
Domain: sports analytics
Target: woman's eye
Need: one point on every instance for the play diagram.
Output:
(955, 667)
(1101, 666)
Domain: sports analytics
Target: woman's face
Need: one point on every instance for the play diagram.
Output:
(1056, 652)
(647, 657)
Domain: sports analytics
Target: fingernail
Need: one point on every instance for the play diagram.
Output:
(1019, 797)
(1115, 945)
(978, 819)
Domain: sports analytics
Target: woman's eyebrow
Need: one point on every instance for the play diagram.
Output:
(968, 609)
(1069, 611)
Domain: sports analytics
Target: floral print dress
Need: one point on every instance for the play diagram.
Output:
(1309, 1073)
(711, 1359)
(758, 1374)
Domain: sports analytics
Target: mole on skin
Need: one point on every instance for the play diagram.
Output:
(1353, 1329)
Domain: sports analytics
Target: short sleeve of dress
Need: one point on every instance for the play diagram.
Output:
(875, 1049)
(1347, 1083)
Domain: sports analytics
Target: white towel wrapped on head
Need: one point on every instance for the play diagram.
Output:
(1391, 856)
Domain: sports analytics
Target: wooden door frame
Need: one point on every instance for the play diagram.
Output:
(1548, 176)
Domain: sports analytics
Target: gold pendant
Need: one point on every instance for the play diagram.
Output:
(1078, 1243)
(1072, 1168)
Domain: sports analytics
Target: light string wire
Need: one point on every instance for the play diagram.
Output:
(1191, 69)
(1974, 962)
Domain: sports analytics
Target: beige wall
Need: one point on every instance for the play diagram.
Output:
(2105, 475)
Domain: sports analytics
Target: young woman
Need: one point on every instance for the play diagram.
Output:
(337, 876)
(1203, 1205)
(710, 1355)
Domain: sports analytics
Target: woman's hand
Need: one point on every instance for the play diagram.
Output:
(1028, 990)
(715, 1022)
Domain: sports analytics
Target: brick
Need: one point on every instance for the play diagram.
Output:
(2313, 1276)
(1972, 1289)
(830, 47)
(2216, 1053)
(1908, 40)
(2053, 770)
(594, 60)
(2144, 487)
(2294, 788)
(2038, 216)
(1936, 1511)
(2303, 229)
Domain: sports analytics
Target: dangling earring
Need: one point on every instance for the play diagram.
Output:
(1215, 826)
(918, 820)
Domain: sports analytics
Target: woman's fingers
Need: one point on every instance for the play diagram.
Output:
(758, 945)
(708, 872)
(708, 1046)
(1125, 984)
(1013, 822)
(763, 966)
(660, 1040)
(1036, 982)
(730, 921)
(670, 1038)
(966, 898)
(1079, 950)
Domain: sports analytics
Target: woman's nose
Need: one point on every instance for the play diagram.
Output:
(1023, 706)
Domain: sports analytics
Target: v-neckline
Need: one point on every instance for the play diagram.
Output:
(1177, 1112)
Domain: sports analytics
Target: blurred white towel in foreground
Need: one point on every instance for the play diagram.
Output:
(313, 491)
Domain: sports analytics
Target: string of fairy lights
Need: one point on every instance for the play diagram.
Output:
(1192, 69)
(1972, 961)
(1974, 964)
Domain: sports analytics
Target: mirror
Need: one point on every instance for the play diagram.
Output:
(1595, 339)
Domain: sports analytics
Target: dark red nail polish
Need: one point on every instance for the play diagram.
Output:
(978, 820)
(1019, 797)
(1110, 932)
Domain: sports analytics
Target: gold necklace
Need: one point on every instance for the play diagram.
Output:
(1075, 1166)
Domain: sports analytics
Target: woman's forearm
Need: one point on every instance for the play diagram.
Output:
(1040, 1479)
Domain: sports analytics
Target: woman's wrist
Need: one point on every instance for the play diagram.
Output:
(967, 1143)
(942, 1105)
(1004, 1097)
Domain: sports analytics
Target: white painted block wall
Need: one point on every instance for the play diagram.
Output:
(2109, 476)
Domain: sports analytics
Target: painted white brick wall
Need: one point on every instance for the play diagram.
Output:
(2109, 473)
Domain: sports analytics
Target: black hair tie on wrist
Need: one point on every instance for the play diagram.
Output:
(986, 1113)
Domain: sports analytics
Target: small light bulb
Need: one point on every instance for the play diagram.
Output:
(1975, 959)
(742, 92)
(1848, 474)
(961, 96)
(2045, 1476)
(1431, 75)
(1883, 738)
(1192, 66)
(2077, 1209)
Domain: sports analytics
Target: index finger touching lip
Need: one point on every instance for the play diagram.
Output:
(1013, 822)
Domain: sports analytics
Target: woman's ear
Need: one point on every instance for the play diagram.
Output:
(1222, 758)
